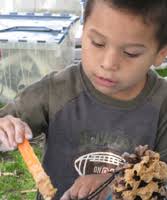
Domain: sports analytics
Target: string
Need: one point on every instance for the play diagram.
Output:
(100, 188)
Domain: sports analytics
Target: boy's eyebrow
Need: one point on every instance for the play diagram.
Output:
(134, 45)
(97, 33)
(126, 45)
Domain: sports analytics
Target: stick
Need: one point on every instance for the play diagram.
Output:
(7, 174)
(42, 181)
(28, 191)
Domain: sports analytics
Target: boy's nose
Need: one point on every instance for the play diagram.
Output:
(111, 61)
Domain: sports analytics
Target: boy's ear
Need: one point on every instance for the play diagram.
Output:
(160, 56)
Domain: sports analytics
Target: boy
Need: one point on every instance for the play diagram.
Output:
(111, 103)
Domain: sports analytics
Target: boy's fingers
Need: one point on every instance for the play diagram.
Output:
(19, 132)
(71, 193)
(74, 190)
(4, 143)
(4, 148)
(19, 129)
(105, 194)
(66, 195)
(83, 192)
(22, 130)
(28, 132)
(9, 130)
(4, 139)
(13, 131)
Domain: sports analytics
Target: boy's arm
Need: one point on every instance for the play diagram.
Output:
(161, 139)
(31, 106)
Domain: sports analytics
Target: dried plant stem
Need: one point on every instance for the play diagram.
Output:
(42, 181)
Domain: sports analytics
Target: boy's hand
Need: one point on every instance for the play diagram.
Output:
(12, 132)
(85, 185)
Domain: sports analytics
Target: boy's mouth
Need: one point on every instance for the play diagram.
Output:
(105, 82)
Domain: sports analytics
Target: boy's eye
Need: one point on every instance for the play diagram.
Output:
(132, 55)
(98, 44)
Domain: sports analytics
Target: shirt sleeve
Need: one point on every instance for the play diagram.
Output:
(161, 139)
(31, 106)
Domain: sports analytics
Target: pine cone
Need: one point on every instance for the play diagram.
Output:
(142, 177)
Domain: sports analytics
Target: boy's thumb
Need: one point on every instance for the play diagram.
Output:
(28, 133)
(66, 196)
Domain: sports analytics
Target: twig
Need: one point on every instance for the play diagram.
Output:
(8, 173)
(42, 180)
(28, 191)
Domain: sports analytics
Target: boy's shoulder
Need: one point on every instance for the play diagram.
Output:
(157, 81)
(65, 85)
(158, 92)
(162, 82)
(69, 73)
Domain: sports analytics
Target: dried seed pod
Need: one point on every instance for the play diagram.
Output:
(130, 158)
(140, 150)
(142, 177)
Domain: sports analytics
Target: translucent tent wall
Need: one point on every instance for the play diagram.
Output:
(73, 6)
(36, 37)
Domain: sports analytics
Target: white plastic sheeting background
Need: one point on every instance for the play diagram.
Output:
(21, 67)
(70, 6)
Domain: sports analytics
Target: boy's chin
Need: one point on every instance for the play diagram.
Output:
(106, 91)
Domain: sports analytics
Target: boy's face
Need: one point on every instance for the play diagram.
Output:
(117, 51)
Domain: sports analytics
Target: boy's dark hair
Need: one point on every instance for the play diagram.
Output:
(152, 12)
